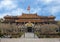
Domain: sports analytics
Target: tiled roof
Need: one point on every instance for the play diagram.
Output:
(32, 20)
(29, 16)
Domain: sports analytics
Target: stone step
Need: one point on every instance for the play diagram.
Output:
(29, 35)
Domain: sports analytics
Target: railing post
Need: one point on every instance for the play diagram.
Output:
(24, 32)
(34, 32)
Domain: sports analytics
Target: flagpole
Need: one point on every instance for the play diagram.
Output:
(28, 9)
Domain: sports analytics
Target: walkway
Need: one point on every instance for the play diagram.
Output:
(29, 35)
(30, 40)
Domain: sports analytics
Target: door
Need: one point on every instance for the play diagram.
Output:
(29, 29)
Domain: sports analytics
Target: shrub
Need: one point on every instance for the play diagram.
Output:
(59, 33)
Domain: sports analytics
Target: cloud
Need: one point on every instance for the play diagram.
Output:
(7, 4)
(19, 11)
(16, 12)
(49, 7)
(8, 7)
(22, 1)
(35, 10)
(41, 7)
(45, 1)
(4, 14)
(48, 1)
(55, 9)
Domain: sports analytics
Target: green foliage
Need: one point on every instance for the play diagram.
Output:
(17, 35)
(1, 34)
(58, 22)
(58, 33)
(10, 30)
(49, 28)
(38, 34)
(46, 31)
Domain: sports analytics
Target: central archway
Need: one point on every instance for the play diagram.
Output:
(29, 26)
(29, 29)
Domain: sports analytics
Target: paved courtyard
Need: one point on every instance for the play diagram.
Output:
(29, 37)
(31, 40)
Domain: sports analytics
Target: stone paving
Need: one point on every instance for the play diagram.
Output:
(29, 35)
(30, 40)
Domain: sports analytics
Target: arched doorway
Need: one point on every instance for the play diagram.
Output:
(29, 29)
(29, 26)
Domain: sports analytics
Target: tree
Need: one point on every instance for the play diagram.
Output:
(58, 23)
(1, 20)
(49, 29)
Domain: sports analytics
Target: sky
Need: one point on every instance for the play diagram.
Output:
(41, 7)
